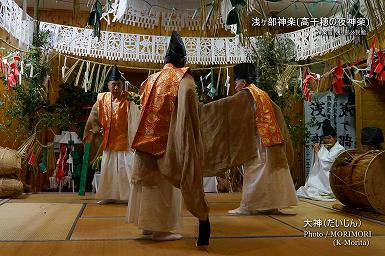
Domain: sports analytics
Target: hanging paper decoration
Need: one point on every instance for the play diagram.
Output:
(63, 69)
(370, 60)
(109, 8)
(308, 77)
(208, 79)
(233, 18)
(94, 18)
(120, 9)
(357, 28)
(86, 76)
(375, 63)
(32, 159)
(211, 92)
(9, 67)
(43, 164)
(11, 80)
(61, 164)
(219, 91)
(227, 83)
(338, 84)
(379, 70)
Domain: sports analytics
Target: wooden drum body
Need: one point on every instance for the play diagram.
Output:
(357, 179)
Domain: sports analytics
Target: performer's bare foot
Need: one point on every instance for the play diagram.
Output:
(239, 211)
(165, 236)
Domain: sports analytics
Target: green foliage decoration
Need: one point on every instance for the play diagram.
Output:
(271, 57)
(28, 102)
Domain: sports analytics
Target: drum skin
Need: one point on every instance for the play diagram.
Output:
(357, 179)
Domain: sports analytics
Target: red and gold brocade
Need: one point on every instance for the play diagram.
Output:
(159, 93)
(265, 118)
(114, 121)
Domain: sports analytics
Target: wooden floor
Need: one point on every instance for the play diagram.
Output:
(66, 224)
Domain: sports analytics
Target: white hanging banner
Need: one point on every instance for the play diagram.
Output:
(335, 108)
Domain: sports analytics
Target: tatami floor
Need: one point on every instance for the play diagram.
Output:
(66, 224)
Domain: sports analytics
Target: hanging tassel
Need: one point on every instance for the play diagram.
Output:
(104, 76)
(218, 80)
(31, 71)
(227, 83)
(19, 78)
(97, 79)
(170, 17)
(126, 85)
(94, 18)
(85, 77)
(43, 164)
(370, 60)
(32, 159)
(67, 75)
(100, 84)
(63, 69)
(90, 78)
(21, 71)
(339, 73)
(22, 67)
(208, 17)
(1, 64)
(78, 76)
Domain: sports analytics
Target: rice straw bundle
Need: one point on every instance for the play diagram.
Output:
(10, 187)
(10, 161)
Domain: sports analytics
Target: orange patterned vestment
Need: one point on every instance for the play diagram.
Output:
(114, 121)
(159, 93)
(265, 119)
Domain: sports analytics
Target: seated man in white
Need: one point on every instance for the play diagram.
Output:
(317, 186)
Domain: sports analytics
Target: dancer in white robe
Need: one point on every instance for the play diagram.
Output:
(267, 182)
(110, 115)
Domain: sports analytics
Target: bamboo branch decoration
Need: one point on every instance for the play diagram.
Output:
(284, 78)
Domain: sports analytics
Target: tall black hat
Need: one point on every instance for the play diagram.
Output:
(245, 71)
(176, 46)
(371, 136)
(328, 129)
(115, 74)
